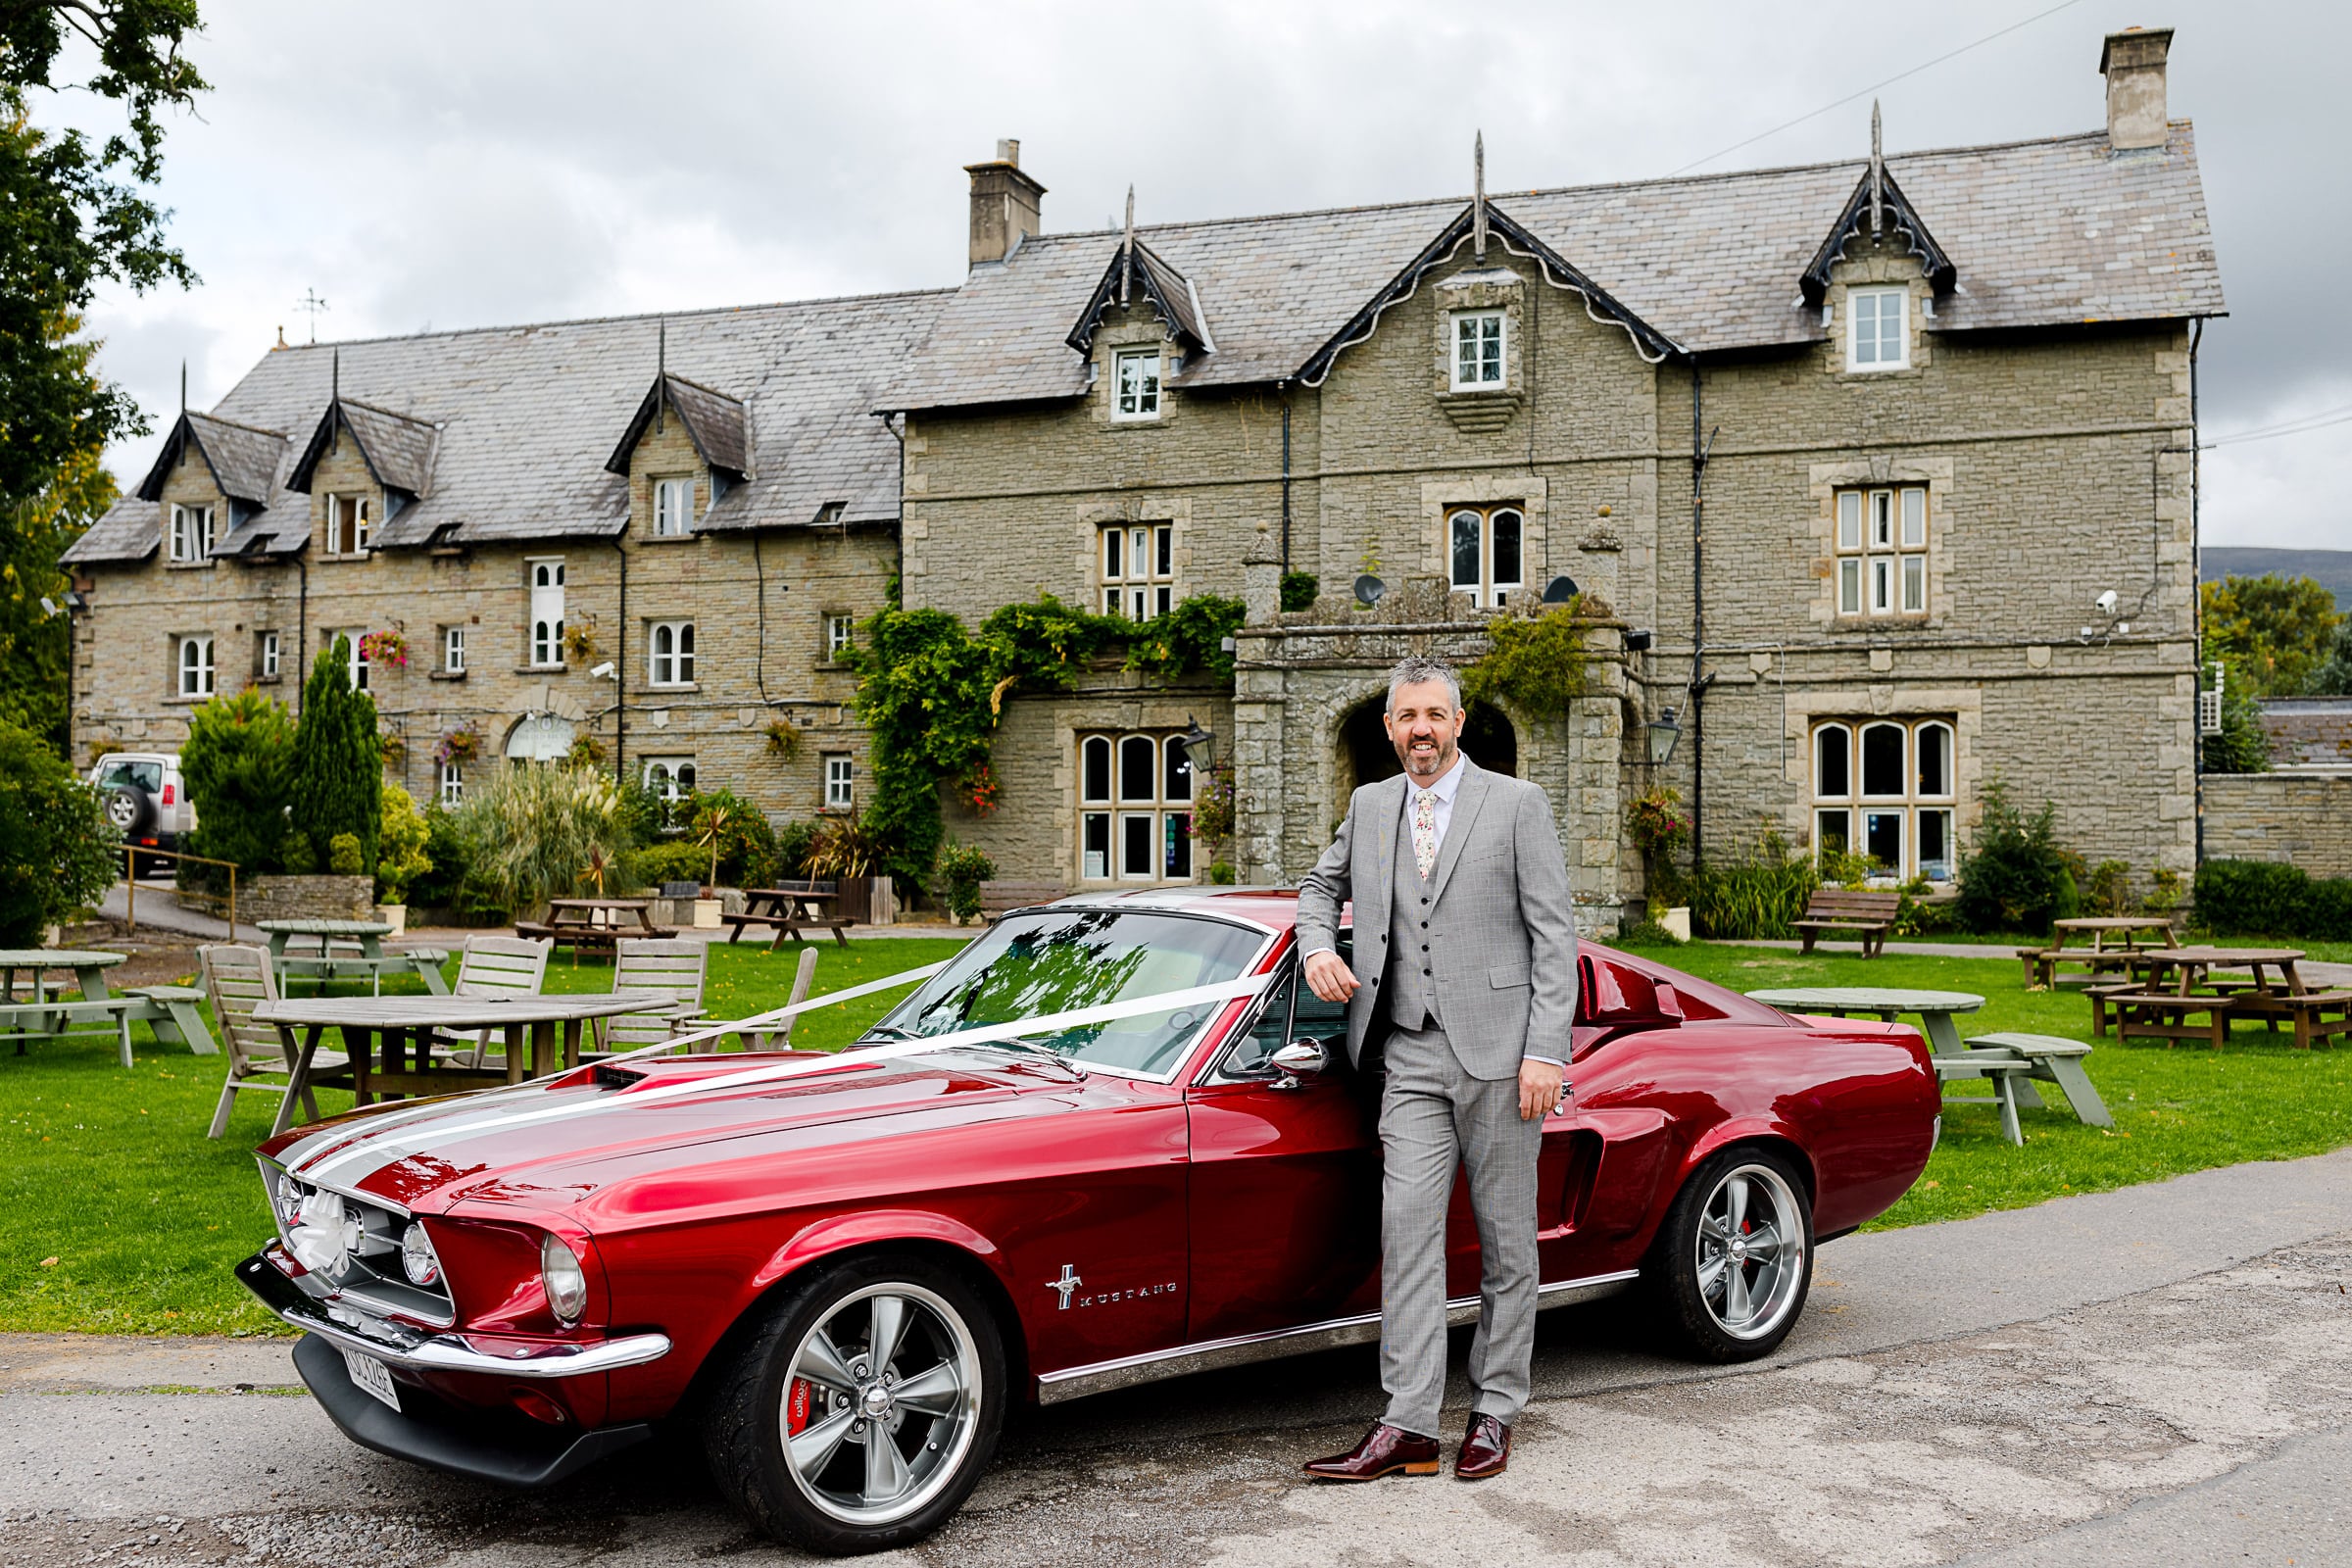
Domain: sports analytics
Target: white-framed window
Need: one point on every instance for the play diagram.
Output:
(453, 650)
(453, 784)
(193, 659)
(840, 633)
(348, 518)
(1134, 808)
(1479, 342)
(1877, 330)
(547, 609)
(1138, 570)
(673, 506)
(669, 777)
(1881, 551)
(841, 781)
(670, 653)
(265, 656)
(192, 532)
(1135, 385)
(1887, 787)
(357, 665)
(1486, 549)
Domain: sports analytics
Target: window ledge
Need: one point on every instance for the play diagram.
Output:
(345, 556)
(191, 565)
(268, 680)
(447, 674)
(686, 538)
(541, 669)
(669, 687)
(186, 702)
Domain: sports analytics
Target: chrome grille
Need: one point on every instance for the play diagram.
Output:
(350, 1247)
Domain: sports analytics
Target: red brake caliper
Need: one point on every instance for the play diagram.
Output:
(795, 1407)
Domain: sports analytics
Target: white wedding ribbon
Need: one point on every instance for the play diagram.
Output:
(366, 1144)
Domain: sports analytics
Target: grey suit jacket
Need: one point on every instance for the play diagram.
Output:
(1502, 925)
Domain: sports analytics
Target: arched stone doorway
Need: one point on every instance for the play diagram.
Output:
(1367, 756)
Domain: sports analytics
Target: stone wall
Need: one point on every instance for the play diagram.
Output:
(2303, 819)
(305, 898)
(2308, 732)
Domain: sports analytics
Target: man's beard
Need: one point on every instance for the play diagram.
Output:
(1446, 751)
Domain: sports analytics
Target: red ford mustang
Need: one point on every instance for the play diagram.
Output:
(840, 1280)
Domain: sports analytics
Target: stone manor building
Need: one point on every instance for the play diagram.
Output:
(1877, 479)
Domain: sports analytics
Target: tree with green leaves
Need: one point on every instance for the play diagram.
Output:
(238, 764)
(57, 849)
(338, 762)
(2273, 632)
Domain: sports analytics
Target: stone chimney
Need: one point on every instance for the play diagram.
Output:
(2133, 61)
(1005, 201)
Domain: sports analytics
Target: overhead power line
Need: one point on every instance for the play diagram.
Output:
(1865, 92)
(2321, 421)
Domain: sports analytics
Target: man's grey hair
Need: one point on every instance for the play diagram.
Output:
(1413, 669)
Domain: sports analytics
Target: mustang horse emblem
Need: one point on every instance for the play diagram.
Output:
(1069, 1282)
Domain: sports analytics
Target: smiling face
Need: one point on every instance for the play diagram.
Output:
(1424, 726)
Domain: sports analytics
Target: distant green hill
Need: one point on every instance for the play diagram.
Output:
(2331, 568)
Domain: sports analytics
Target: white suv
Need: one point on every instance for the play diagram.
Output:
(145, 798)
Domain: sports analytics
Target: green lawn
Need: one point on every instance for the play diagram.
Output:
(2176, 1110)
(110, 1175)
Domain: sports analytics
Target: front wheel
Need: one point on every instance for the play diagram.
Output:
(1734, 1259)
(862, 1411)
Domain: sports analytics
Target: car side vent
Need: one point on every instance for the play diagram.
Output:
(615, 1077)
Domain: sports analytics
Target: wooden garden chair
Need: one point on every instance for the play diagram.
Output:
(494, 966)
(676, 968)
(240, 979)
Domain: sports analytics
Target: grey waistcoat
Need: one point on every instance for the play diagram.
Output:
(1412, 997)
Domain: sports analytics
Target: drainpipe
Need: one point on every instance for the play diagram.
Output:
(302, 629)
(1700, 446)
(1285, 480)
(899, 432)
(620, 666)
(2196, 596)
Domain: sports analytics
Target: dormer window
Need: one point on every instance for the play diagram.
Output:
(1877, 338)
(1478, 349)
(191, 533)
(1135, 385)
(673, 506)
(348, 518)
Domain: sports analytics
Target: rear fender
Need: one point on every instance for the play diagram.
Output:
(1769, 1131)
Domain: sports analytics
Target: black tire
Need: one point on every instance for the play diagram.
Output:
(130, 809)
(1709, 1290)
(942, 1450)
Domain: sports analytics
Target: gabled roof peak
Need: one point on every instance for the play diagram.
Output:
(397, 447)
(715, 422)
(241, 458)
(1136, 267)
(1879, 202)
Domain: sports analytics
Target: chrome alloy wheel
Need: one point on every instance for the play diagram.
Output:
(1751, 1250)
(882, 1403)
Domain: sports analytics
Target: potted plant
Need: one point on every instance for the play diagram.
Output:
(1658, 828)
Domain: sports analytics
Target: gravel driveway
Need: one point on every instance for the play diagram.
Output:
(2164, 1372)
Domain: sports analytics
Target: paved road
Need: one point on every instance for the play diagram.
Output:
(2164, 1372)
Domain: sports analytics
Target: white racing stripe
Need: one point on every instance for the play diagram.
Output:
(379, 1153)
(296, 1155)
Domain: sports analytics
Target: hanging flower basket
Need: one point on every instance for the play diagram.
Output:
(979, 790)
(460, 746)
(385, 648)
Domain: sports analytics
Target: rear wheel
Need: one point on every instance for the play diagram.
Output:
(1734, 1260)
(860, 1413)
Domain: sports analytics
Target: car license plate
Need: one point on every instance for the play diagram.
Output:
(373, 1376)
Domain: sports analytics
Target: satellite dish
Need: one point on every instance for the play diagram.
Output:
(1368, 590)
(1559, 590)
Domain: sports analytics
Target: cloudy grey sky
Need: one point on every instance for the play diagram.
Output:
(445, 165)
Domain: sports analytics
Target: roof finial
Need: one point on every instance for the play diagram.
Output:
(184, 386)
(1127, 252)
(1877, 176)
(661, 346)
(1478, 202)
(335, 378)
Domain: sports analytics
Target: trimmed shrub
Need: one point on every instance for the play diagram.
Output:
(343, 856)
(57, 849)
(1645, 934)
(672, 860)
(399, 856)
(2270, 899)
(338, 777)
(2015, 877)
(238, 764)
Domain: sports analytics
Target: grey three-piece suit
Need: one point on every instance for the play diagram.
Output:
(1467, 972)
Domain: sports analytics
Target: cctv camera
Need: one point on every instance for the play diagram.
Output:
(2106, 602)
(602, 671)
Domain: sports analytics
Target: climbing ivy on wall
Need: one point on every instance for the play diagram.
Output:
(931, 693)
(1534, 665)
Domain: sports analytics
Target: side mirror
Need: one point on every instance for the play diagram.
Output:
(1299, 1060)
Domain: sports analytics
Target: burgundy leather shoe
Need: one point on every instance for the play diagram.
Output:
(1485, 1449)
(1383, 1451)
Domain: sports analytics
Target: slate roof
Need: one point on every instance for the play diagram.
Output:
(2054, 231)
(523, 418)
(713, 420)
(397, 449)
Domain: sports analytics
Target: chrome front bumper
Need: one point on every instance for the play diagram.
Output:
(421, 1351)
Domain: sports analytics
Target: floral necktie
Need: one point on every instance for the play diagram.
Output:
(1425, 830)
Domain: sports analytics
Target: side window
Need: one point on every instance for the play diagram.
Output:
(1292, 1013)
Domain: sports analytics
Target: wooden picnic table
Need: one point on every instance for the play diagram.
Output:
(598, 923)
(327, 963)
(2099, 958)
(2181, 982)
(45, 1015)
(786, 910)
(389, 1039)
(1936, 1009)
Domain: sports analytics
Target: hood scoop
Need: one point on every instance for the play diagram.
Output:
(604, 1077)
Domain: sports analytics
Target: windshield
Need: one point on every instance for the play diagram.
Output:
(1059, 961)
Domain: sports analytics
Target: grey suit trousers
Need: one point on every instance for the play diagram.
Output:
(1433, 1114)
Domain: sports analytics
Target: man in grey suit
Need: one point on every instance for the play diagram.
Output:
(1464, 924)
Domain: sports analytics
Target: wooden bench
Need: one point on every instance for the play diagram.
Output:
(2165, 1015)
(1004, 895)
(2308, 1012)
(589, 937)
(1869, 916)
(2053, 1059)
(781, 910)
(2008, 1088)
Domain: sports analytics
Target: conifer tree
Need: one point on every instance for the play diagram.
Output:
(338, 762)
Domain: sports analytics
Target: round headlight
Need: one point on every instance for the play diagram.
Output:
(567, 1285)
(286, 1192)
(417, 1260)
